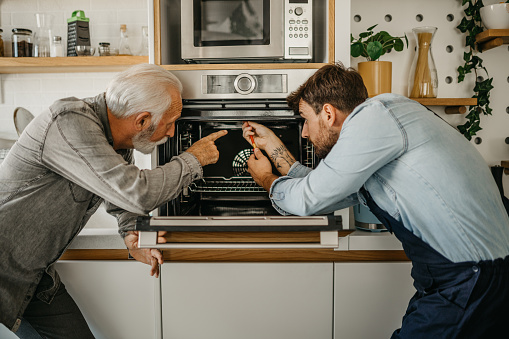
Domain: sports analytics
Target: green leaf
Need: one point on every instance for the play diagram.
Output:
(356, 49)
(374, 50)
(463, 26)
(371, 28)
(398, 45)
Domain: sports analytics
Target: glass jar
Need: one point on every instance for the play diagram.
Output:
(1, 43)
(22, 45)
(57, 50)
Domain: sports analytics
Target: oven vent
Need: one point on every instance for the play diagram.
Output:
(224, 185)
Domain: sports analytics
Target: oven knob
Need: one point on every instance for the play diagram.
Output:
(244, 83)
(299, 11)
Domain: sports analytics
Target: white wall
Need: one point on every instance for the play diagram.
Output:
(435, 13)
(37, 91)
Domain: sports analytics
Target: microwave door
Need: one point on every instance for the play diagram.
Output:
(234, 29)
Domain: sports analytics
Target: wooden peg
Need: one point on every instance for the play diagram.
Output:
(455, 109)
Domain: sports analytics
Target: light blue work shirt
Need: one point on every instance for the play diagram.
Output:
(416, 167)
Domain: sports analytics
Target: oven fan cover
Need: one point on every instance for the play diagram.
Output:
(239, 163)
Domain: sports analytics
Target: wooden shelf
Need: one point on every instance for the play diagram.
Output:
(452, 105)
(201, 67)
(69, 64)
(491, 38)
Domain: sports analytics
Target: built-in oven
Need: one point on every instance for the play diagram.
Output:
(227, 188)
(243, 30)
(227, 198)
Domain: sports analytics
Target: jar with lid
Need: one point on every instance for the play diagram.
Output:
(57, 50)
(22, 45)
(1, 43)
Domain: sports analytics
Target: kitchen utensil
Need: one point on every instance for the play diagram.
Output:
(108, 51)
(367, 221)
(22, 118)
(78, 33)
(85, 50)
(495, 16)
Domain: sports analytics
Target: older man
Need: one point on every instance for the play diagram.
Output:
(420, 177)
(69, 160)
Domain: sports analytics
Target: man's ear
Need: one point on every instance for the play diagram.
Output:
(329, 114)
(142, 121)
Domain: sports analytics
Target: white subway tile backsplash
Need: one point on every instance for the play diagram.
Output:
(37, 91)
(20, 85)
(115, 5)
(19, 6)
(5, 20)
(67, 5)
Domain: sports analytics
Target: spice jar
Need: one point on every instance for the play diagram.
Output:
(1, 43)
(22, 45)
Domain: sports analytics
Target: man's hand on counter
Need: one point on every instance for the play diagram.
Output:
(149, 256)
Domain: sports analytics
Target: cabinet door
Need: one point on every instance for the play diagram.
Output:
(247, 300)
(370, 299)
(116, 297)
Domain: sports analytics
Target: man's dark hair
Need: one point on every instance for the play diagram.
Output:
(332, 84)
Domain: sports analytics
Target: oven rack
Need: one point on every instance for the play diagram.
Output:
(225, 185)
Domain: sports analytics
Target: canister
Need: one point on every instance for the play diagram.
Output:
(22, 44)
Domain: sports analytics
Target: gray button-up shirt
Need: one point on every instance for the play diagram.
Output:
(52, 181)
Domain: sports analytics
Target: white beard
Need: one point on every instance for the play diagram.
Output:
(142, 143)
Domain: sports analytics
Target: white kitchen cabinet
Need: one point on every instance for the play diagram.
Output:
(370, 299)
(247, 300)
(117, 298)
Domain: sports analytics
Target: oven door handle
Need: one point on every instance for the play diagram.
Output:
(328, 239)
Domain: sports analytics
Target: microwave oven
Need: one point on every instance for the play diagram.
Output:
(246, 30)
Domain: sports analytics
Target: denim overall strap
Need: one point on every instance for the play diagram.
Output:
(453, 300)
(415, 249)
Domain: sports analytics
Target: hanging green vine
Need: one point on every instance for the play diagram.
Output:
(471, 25)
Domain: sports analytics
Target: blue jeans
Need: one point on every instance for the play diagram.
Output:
(61, 319)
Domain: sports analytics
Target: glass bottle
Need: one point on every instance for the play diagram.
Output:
(124, 48)
(144, 41)
(423, 79)
(57, 50)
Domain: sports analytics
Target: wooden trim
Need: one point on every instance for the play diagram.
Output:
(251, 255)
(247, 237)
(10, 65)
(201, 67)
(332, 31)
(446, 101)
(157, 32)
(281, 255)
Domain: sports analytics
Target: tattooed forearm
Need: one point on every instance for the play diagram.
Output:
(282, 159)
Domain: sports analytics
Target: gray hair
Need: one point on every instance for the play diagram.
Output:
(141, 88)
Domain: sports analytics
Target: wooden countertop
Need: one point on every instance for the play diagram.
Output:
(363, 246)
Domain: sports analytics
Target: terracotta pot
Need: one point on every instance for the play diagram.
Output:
(377, 76)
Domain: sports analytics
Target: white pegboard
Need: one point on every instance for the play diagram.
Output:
(445, 15)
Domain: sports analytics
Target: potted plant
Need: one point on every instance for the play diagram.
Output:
(377, 75)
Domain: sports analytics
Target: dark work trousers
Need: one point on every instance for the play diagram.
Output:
(60, 319)
(453, 300)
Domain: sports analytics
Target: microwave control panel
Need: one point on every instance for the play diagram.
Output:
(298, 29)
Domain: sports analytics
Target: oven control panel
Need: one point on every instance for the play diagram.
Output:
(244, 83)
